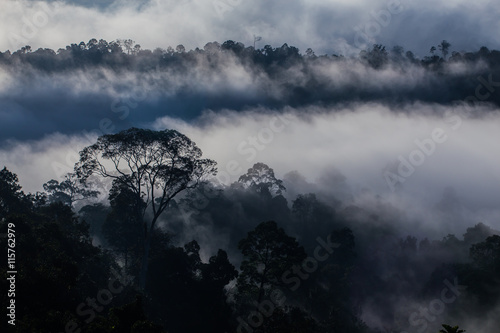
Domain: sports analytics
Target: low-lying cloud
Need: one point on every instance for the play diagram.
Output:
(42, 93)
(358, 143)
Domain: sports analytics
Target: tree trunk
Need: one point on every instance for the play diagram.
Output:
(145, 256)
(126, 258)
(261, 287)
(145, 261)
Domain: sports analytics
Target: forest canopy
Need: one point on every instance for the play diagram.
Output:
(305, 265)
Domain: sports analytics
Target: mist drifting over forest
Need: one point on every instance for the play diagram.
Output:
(225, 166)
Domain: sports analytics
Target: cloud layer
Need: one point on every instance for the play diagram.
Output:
(360, 143)
(78, 91)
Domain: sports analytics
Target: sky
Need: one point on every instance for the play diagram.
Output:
(334, 26)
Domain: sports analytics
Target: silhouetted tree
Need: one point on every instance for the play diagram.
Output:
(69, 190)
(180, 48)
(153, 165)
(478, 234)
(450, 329)
(261, 178)
(268, 253)
(123, 226)
(486, 255)
(311, 217)
(444, 47)
(376, 56)
(12, 198)
(59, 267)
(95, 216)
(184, 286)
(310, 53)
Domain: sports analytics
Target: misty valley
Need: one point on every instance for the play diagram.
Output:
(232, 188)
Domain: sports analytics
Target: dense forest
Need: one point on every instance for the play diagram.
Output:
(306, 78)
(140, 238)
(114, 77)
